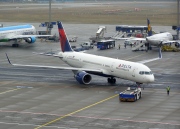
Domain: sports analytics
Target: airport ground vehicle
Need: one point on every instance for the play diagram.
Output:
(172, 46)
(53, 38)
(105, 44)
(73, 39)
(87, 45)
(129, 42)
(131, 94)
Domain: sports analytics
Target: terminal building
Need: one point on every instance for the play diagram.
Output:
(131, 29)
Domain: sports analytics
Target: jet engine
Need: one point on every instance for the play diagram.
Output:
(83, 77)
(30, 40)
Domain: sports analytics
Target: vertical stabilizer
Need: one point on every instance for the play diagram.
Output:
(149, 28)
(65, 45)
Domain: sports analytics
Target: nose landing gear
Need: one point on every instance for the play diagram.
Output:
(139, 85)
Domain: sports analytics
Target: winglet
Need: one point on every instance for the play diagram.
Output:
(150, 60)
(8, 59)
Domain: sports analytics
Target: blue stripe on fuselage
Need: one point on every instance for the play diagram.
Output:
(15, 27)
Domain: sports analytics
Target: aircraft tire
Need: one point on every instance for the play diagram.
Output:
(140, 95)
(108, 80)
(135, 98)
(114, 80)
(15, 45)
(111, 80)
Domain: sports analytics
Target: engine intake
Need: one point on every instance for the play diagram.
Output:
(30, 39)
(83, 77)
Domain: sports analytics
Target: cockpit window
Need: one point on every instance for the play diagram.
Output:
(141, 72)
(145, 72)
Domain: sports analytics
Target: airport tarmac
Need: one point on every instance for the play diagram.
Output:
(44, 98)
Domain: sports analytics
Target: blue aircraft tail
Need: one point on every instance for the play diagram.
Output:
(149, 28)
(65, 45)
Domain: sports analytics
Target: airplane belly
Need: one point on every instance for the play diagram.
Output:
(154, 42)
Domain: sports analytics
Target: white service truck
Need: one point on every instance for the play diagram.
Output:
(87, 45)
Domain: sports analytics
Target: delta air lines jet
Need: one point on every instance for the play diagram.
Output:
(15, 33)
(83, 65)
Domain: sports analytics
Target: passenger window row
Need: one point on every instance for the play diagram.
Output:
(145, 72)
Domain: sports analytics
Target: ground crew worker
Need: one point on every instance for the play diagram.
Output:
(119, 46)
(168, 90)
(124, 45)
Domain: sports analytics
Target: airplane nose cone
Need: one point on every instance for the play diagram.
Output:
(151, 78)
(147, 39)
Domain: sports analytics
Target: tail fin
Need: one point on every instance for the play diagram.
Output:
(149, 28)
(65, 45)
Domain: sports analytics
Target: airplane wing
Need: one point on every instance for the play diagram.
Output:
(138, 39)
(150, 60)
(57, 67)
(48, 54)
(168, 41)
(132, 38)
(79, 69)
(27, 36)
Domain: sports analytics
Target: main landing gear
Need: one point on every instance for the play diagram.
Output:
(16, 42)
(111, 80)
(15, 45)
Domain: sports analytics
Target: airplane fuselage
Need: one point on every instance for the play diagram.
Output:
(110, 67)
(6, 33)
(157, 39)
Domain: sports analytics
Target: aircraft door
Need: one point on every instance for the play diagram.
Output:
(112, 67)
(133, 73)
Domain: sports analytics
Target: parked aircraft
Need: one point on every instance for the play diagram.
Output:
(159, 39)
(15, 33)
(154, 40)
(83, 65)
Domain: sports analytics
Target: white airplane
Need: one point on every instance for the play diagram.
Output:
(154, 40)
(16, 33)
(83, 64)
(159, 39)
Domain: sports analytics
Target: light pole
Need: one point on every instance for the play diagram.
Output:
(178, 19)
(49, 25)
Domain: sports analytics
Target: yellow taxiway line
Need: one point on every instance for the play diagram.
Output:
(9, 91)
(76, 111)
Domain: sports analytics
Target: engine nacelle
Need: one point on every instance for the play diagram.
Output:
(30, 40)
(83, 77)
